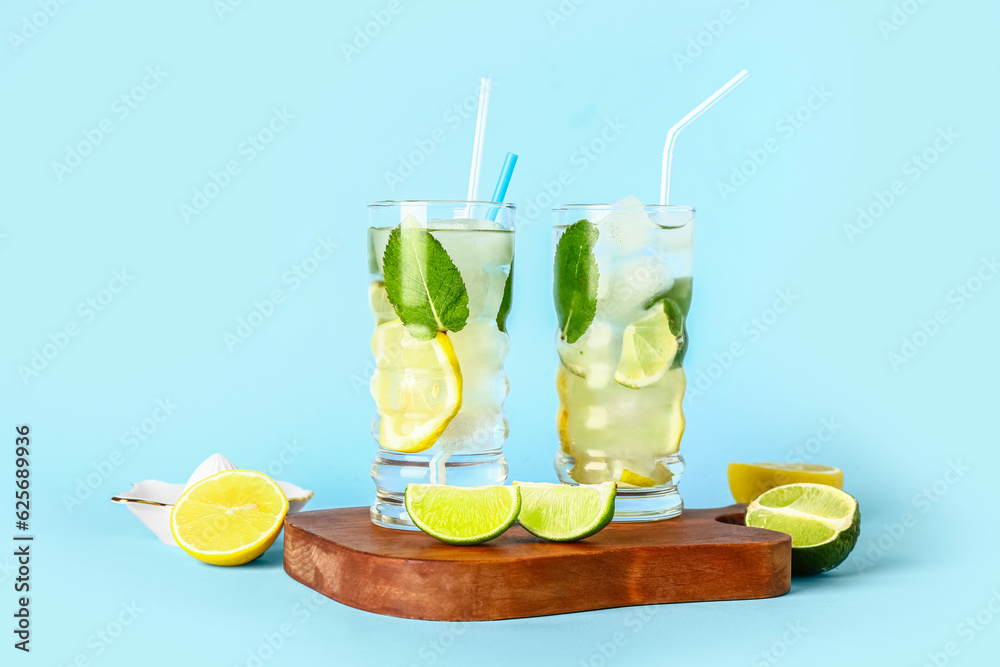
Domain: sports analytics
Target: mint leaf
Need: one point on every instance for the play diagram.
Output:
(508, 289)
(676, 304)
(679, 293)
(576, 277)
(424, 286)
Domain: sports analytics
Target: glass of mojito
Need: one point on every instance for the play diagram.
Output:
(440, 290)
(622, 290)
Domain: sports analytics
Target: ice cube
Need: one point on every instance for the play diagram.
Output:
(485, 285)
(677, 241)
(630, 203)
(474, 430)
(627, 285)
(597, 417)
(480, 346)
(378, 239)
(626, 230)
(594, 356)
(476, 247)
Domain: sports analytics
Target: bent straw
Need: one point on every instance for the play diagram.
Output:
(477, 147)
(668, 147)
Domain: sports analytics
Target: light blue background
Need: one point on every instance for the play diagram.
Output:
(300, 377)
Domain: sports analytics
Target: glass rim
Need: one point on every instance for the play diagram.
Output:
(646, 207)
(388, 203)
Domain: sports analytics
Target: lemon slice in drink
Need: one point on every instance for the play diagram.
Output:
(462, 515)
(229, 518)
(648, 349)
(749, 480)
(824, 523)
(659, 476)
(417, 387)
(563, 513)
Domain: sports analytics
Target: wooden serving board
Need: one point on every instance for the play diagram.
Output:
(701, 555)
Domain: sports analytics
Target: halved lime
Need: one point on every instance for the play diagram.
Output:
(564, 513)
(823, 522)
(462, 514)
(648, 350)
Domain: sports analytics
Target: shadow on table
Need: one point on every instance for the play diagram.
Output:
(272, 558)
(856, 569)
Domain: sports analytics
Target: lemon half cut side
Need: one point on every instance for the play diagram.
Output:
(229, 518)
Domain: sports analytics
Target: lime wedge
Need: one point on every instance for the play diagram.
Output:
(648, 349)
(563, 513)
(749, 480)
(462, 515)
(823, 522)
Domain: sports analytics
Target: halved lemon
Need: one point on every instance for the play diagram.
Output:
(648, 349)
(417, 387)
(749, 480)
(229, 518)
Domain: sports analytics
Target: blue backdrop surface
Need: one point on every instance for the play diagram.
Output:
(166, 168)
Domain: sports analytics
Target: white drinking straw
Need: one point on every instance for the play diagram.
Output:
(668, 147)
(437, 464)
(477, 147)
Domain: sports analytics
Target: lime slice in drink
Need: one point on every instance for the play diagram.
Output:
(749, 480)
(648, 349)
(462, 515)
(563, 513)
(417, 387)
(823, 521)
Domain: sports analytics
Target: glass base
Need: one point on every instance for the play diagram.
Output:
(392, 471)
(635, 505)
(632, 503)
(389, 510)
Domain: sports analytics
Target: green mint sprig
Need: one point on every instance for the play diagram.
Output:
(575, 279)
(424, 286)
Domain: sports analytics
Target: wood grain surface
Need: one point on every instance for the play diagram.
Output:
(701, 555)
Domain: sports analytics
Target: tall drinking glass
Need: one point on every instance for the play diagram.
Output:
(440, 290)
(622, 291)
